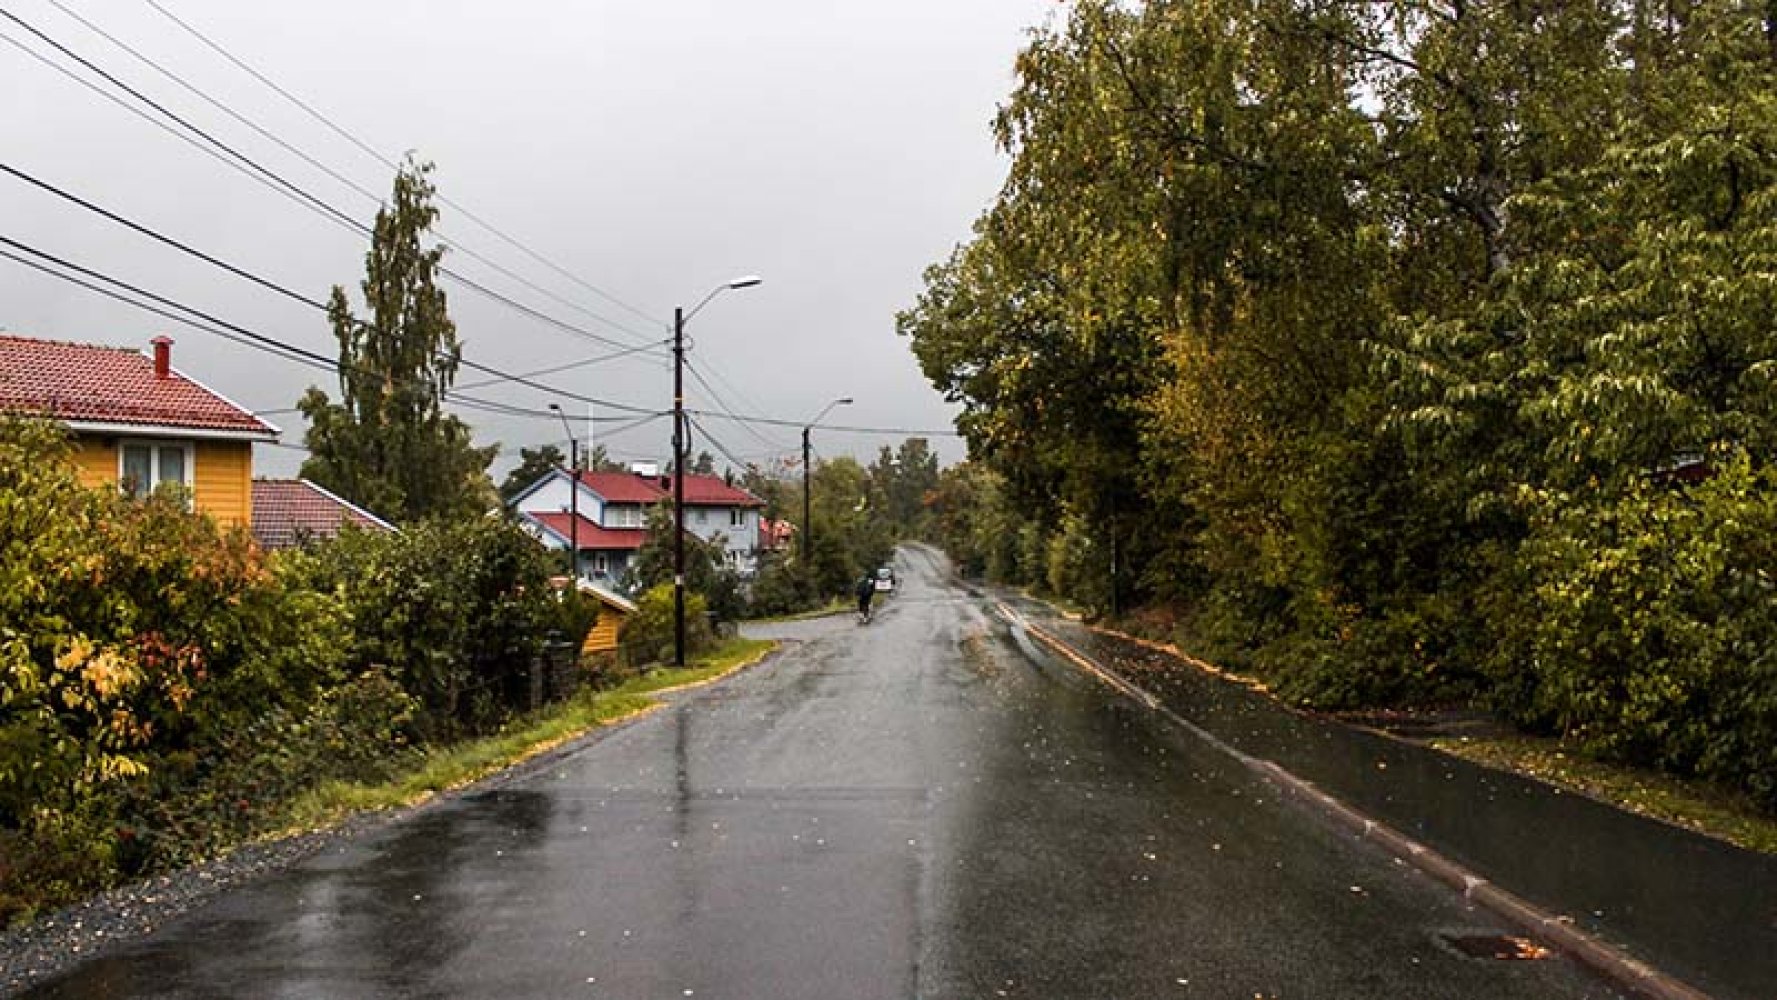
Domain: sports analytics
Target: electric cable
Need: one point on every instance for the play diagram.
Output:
(368, 150)
(276, 181)
(721, 404)
(837, 428)
(243, 337)
(299, 297)
(316, 163)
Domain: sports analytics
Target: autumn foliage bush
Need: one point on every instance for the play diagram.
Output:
(165, 686)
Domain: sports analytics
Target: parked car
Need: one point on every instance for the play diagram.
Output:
(885, 580)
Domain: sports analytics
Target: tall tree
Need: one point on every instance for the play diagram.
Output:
(388, 444)
(533, 464)
(599, 460)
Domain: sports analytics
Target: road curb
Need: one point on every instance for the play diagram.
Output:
(1556, 932)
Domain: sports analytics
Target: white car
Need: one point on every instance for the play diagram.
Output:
(885, 580)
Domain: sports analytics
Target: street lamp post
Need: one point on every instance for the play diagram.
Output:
(573, 498)
(680, 447)
(807, 492)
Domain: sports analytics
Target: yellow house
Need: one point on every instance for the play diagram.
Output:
(137, 422)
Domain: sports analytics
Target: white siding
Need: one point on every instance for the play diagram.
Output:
(554, 496)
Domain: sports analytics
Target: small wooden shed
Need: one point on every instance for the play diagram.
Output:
(614, 610)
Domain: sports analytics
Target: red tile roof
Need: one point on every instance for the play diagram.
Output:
(591, 535)
(623, 487)
(712, 491)
(85, 383)
(700, 491)
(291, 512)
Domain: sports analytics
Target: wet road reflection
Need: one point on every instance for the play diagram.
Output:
(911, 808)
(1704, 910)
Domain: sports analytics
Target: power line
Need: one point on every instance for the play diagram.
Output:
(223, 330)
(722, 405)
(316, 163)
(569, 366)
(277, 182)
(740, 465)
(366, 148)
(296, 296)
(836, 428)
(734, 390)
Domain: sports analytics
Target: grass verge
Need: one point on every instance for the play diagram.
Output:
(1683, 803)
(833, 607)
(450, 767)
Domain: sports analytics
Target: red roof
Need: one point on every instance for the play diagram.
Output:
(775, 535)
(712, 491)
(591, 535)
(290, 512)
(700, 491)
(85, 383)
(624, 487)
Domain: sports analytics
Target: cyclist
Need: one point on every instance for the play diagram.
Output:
(866, 591)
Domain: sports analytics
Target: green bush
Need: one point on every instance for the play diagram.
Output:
(1645, 626)
(165, 688)
(457, 611)
(190, 806)
(647, 635)
(780, 589)
(132, 634)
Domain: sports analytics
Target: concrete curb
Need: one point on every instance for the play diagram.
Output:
(1558, 933)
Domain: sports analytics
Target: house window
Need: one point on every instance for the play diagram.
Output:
(600, 564)
(702, 515)
(144, 466)
(737, 518)
(626, 516)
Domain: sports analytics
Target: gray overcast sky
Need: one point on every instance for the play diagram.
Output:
(654, 149)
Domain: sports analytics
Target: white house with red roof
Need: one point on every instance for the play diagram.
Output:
(137, 421)
(613, 517)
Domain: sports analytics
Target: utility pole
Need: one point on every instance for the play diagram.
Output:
(573, 499)
(807, 540)
(681, 444)
(678, 487)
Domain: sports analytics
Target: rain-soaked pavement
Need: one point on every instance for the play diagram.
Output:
(1698, 908)
(913, 808)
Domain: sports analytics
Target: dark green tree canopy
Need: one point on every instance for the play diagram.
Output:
(388, 444)
(1372, 343)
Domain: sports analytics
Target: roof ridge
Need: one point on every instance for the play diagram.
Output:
(11, 335)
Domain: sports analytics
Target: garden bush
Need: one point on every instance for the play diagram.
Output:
(647, 635)
(165, 687)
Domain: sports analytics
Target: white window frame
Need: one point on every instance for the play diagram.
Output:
(737, 517)
(625, 515)
(154, 446)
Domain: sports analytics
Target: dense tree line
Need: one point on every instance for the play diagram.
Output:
(859, 513)
(1408, 352)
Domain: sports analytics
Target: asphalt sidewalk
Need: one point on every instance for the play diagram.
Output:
(1697, 909)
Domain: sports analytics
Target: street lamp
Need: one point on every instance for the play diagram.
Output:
(680, 443)
(573, 497)
(807, 505)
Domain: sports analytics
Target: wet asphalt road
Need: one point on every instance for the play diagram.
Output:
(921, 807)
